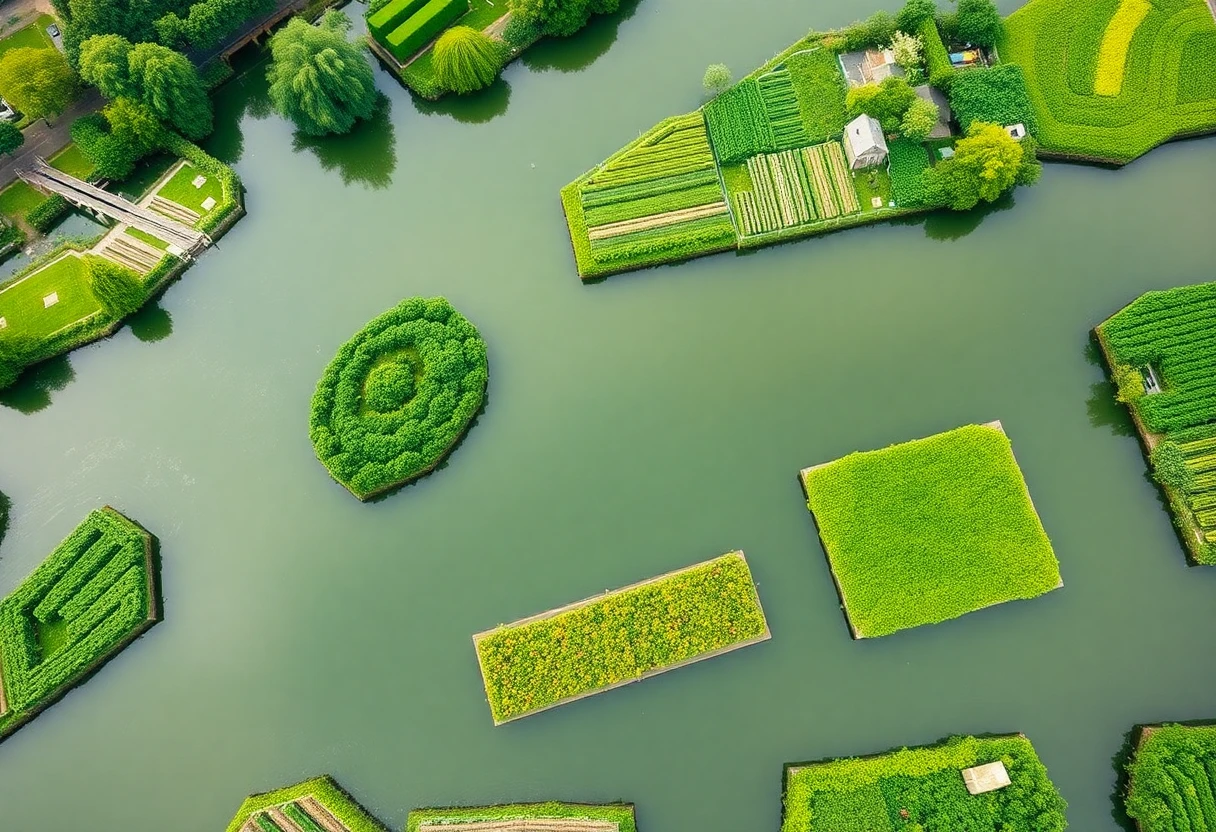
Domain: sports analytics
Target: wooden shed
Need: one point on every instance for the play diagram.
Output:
(986, 778)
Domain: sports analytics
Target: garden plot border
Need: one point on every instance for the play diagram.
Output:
(844, 604)
(151, 563)
(526, 817)
(764, 636)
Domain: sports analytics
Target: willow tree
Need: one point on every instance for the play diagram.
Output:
(38, 82)
(318, 78)
(466, 60)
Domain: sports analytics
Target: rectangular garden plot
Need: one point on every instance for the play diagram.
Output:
(94, 595)
(526, 817)
(965, 783)
(1161, 351)
(620, 637)
(1172, 778)
(316, 805)
(929, 530)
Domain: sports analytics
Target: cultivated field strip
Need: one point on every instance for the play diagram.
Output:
(781, 106)
(780, 195)
(656, 221)
(303, 815)
(525, 825)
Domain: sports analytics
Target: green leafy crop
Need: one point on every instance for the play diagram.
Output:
(1173, 772)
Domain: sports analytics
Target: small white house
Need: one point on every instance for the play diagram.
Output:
(864, 144)
(1016, 131)
(986, 778)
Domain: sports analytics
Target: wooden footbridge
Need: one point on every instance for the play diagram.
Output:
(99, 201)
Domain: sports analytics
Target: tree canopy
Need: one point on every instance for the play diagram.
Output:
(978, 22)
(465, 59)
(561, 17)
(119, 136)
(986, 163)
(914, 13)
(116, 288)
(10, 137)
(717, 78)
(919, 119)
(887, 101)
(38, 82)
(318, 78)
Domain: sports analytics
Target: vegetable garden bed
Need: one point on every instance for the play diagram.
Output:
(566, 817)
(316, 805)
(1172, 774)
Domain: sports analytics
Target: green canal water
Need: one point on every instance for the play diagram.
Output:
(633, 426)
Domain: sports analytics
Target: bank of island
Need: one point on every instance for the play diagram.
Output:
(526, 817)
(980, 784)
(1161, 353)
(620, 637)
(316, 805)
(1171, 783)
(95, 594)
(929, 530)
(898, 116)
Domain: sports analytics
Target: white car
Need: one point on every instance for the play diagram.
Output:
(7, 113)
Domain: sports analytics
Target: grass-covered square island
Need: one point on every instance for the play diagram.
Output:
(620, 637)
(929, 530)
(949, 787)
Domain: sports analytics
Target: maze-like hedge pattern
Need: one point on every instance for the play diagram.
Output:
(1168, 89)
(1173, 779)
(89, 598)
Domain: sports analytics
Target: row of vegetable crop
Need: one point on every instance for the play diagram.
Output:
(782, 110)
(1172, 780)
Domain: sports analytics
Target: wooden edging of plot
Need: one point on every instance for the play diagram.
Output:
(477, 638)
(154, 615)
(844, 604)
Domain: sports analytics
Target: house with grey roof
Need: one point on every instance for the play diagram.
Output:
(864, 145)
(941, 130)
(869, 66)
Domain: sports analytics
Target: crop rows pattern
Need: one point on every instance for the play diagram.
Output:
(1173, 780)
(619, 637)
(1200, 460)
(820, 89)
(83, 603)
(551, 815)
(780, 195)
(738, 123)
(316, 805)
(781, 107)
(1164, 90)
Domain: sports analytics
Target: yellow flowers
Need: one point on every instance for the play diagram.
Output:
(1112, 55)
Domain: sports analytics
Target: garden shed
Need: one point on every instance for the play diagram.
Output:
(869, 66)
(941, 130)
(864, 143)
(986, 778)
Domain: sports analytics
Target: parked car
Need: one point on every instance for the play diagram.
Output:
(52, 30)
(7, 113)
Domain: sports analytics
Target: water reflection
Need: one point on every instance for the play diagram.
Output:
(5, 505)
(246, 94)
(580, 50)
(1103, 408)
(151, 323)
(1119, 763)
(954, 225)
(33, 389)
(477, 108)
(367, 154)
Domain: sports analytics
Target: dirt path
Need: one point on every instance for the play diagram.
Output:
(496, 28)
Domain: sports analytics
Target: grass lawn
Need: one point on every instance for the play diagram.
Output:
(870, 184)
(928, 530)
(146, 174)
(144, 236)
(72, 161)
(21, 302)
(482, 13)
(18, 198)
(33, 35)
(180, 189)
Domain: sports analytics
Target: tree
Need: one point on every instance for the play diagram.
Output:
(171, 87)
(908, 51)
(914, 13)
(561, 17)
(919, 119)
(116, 287)
(10, 137)
(979, 22)
(875, 30)
(119, 136)
(717, 78)
(105, 63)
(986, 163)
(319, 79)
(12, 360)
(465, 60)
(38, 82)
(886, 102)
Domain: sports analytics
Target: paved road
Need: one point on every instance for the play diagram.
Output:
(43, 139)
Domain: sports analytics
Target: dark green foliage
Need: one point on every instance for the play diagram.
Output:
(318, 78)
(117, 288)
(978, 22)
(117, 138)
(909, 160)
(10, 137)
(996, 95)
(561, 17)
(521, 32)
(1170, 468)
(38, 82)
(986, 164)
(876, 30)
(913, 14)
(46, 214)
(886, 101)
(390, 15)
(210, 21)
(105, 63)
(424, 24)
(13, 359)
(371, 450)
(1172, 774)
(97, 588)
(466, 60)
(869, 794)
(782, 110)
(820, 87)
(738, 124)
(937, 60)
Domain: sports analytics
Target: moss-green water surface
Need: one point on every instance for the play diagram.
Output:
(632, 427)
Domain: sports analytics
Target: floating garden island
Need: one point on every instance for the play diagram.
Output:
(316, 805)
(1172, 778)
(95, 594)
(399, 396)
(977, 784)
(526, 817)
(619, 637)
(929, 530)
(1161, 352)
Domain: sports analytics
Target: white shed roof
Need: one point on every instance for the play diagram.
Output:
(864, 134)
(986, 778)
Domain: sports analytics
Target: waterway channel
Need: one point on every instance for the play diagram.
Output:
(633, 426)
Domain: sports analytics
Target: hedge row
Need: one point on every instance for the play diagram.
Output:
(398, 396)
(738, 123)
(619, 637)
(230, 200)
(46, 214)
(422, 26)
(1172, 777)
(995, 96)
(89, 598)
(938, 68)
(869, 793)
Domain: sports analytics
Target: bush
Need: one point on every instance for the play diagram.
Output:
(937, 59)
(717, 78)
(1128, 382)
(561, 17)
(619, 637)
(466, 60)
(914, 13)
(520, 32)
(874, 31)
(996, 95)
(909, 160)
(1169, 467)
(979, 22)
(370, 450)
(116, 288)
(919, 119)
(423, 25)
(887, 102)
(115, 139)
(10, 137)
(46, 214)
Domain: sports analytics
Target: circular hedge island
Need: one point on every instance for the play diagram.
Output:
(398, 396)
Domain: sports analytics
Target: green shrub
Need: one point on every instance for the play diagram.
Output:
(717, 77)
(937, 60)
(619, 637)
(886, 101)
(423, 25)
(965, 537)
(116, 288)
(874, 31)
(997, 96)
(914, 13)
(46, 214)
(96, 589)
(1128, 382)
(520, 32)
(466, 60)
(368, 445)
(909, 160)
(1169, 467)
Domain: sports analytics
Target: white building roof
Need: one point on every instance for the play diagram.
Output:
(986, 778)
(864, 135)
